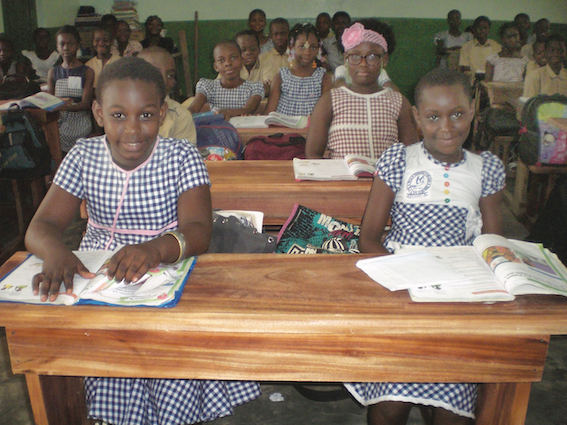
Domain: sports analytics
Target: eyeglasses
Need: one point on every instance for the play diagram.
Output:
(372, 59)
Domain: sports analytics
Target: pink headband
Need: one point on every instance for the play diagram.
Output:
(357, 34)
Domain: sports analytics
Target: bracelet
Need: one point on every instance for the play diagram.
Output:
(181, 241)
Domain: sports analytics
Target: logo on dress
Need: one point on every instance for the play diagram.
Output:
(418, 184)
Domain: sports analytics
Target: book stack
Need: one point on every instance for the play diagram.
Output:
(125, 10)
(87, 19)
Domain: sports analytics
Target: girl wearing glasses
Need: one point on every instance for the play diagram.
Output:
(296, 90)
(362, 118)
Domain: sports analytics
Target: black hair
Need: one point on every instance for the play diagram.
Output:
(324, 15)
(280, 21)
(451, 12)
(341, 14)
(443, 77)
(108, 20)
(553, 38)
(7, 41)
(151, 18)
(227, 43)
(541, 21)
(36, 32)
(130, 68)
(306, 29)
(71, 30)
(106, 30)
(381, 28)
(481, 19)
(521, 15)
(123, 22)
(257, 11)
(506, 26)
(247, 33)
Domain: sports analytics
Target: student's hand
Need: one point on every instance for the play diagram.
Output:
(133, 261)
(57, 269)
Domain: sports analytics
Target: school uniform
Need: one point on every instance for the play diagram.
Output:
(334, 55)
(178, 122)
(474, 54)
(96, 65)
(544, 81)
(274, 61)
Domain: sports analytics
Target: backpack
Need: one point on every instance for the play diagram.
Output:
(275, 147)
(217, 139)
(541, 142)
(23, 149)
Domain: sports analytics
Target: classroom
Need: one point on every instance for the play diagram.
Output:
(285, 353)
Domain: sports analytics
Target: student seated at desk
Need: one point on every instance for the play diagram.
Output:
(278, 56)
(552, 78)
(102, 41)
(169, 179)
(449, 42)
(437, 194)
(178, 122)
(296, 90)
(363, 118)
(507, 65)
(230, 95)
(539, 59)
(474, 53)
(42, 58)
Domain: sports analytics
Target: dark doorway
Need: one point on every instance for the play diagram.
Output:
(20, 19)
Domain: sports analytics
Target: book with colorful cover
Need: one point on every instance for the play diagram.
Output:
(41, 100)
(159, 287)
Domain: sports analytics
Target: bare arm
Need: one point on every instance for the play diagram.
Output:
(327, 83)
(275, 92)
(198, 102)
(407, 130)
(491, 210)
(376, 217)
(248, 109)
(319, 127)
(44, 238)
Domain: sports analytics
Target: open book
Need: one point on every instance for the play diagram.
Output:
(41, 100)
(493, 269)
(273, 118)
(160, 287)
(352, 167)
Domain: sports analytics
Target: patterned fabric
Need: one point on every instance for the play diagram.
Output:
(72, 125)
(422, 216)
(122, 401)
(508, 69)
(11, 71)
(150, 202)
(133, 48)
(333, 53)
(363, 124)
(149, 205)
(221, 98)
(267, 46)
(299, 95)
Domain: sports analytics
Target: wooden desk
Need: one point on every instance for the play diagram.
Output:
(270, 186)
(247, 133)
(292, 318)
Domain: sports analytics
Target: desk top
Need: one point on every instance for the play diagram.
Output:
(288, 317)
(270, 186)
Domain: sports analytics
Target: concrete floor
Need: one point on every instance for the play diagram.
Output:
(548, 400)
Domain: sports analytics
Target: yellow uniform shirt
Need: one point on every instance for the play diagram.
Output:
(474, 54)
(544, 81)
(178, 123)
(96, 65)
(274, 61)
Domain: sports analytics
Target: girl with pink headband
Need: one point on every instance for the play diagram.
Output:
(362, 118)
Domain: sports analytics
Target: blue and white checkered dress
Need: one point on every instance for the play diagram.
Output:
(222, 98)
(433, 207)
(299, 94)
(149, 206)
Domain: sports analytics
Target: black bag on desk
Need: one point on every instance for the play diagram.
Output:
(540, 142)
(23, 149)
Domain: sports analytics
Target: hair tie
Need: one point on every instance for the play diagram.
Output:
(356, 34)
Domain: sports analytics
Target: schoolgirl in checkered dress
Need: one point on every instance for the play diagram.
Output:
(149, 194)
(362, 118)
(71, 80)
(229, 98)
(437, 194)
(296, 90)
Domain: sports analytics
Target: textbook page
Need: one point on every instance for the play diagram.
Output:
(523, 267)
(361, 166)
(322, 169)
(480, 283)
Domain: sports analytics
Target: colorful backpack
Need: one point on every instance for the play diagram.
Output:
(541, 142)
(217, 139)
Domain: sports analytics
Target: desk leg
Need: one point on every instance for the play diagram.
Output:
(36, 399)
(57, 400)
(503, 404)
